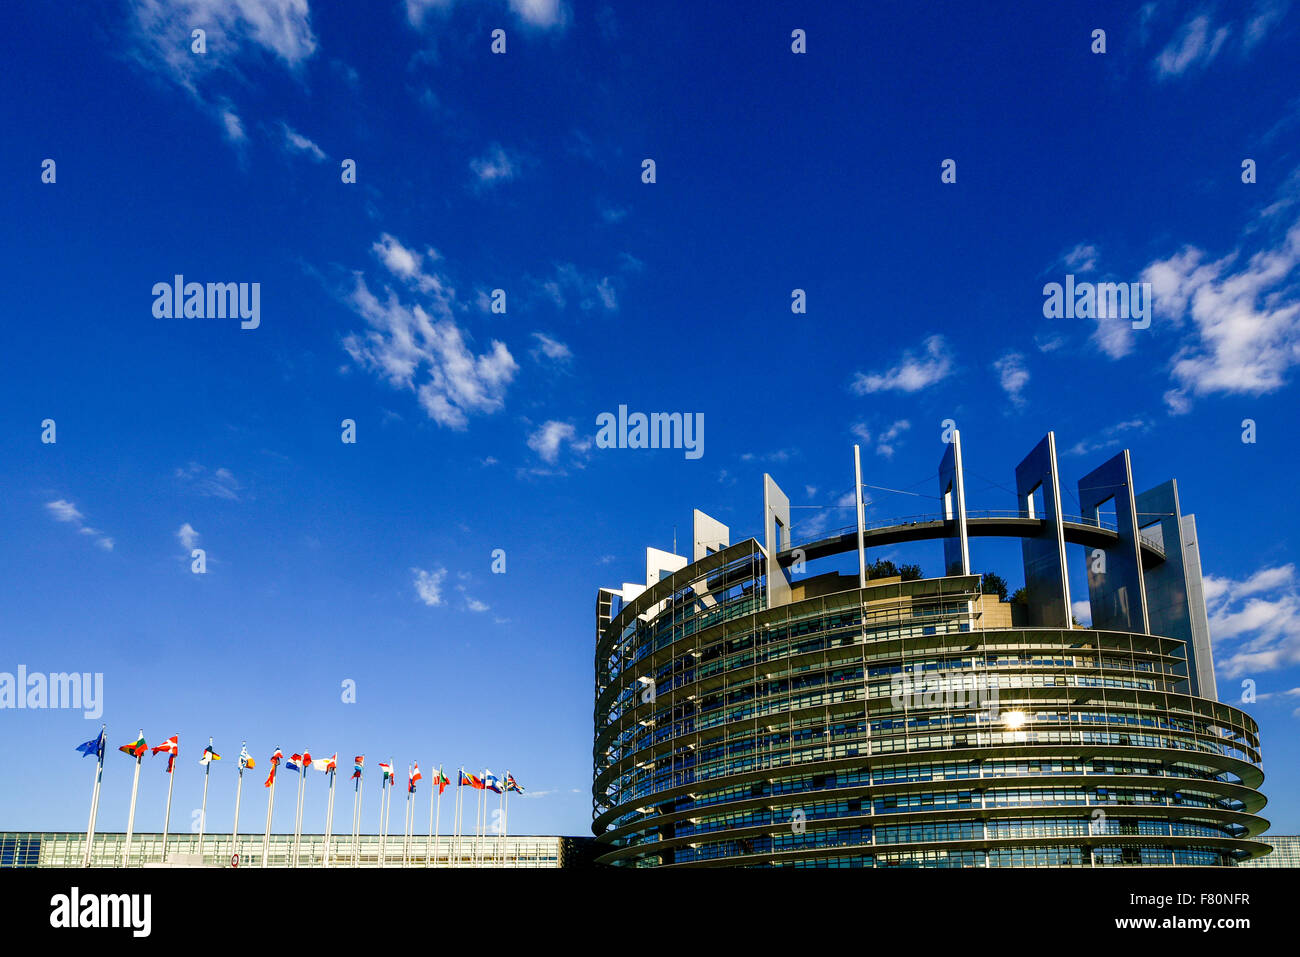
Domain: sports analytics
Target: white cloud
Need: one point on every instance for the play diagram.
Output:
(1196, 43)
(1257, 27)
(551, 437)
(473, 604)
(551, 348)
(885, 440)
(187, 536)
(494, 166)
(590, 291)
(233, 126)
(1082, 610)
(237, 32)
(61, 510)
(1256, 620)
(1108, 437)
(542, 14)
(428, 585)
(64, 511)
(298, 143)
(215, 484)
(1012, 376)
(911, 374)
(426, 353)
(1245, 319)
(1082, 258)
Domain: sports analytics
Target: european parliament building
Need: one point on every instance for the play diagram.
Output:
(753, 710)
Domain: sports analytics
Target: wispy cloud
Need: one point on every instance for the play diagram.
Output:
(295, 142)
(885, 441)
(238, 34)
(1082, 258)
(1255, 620)
(425, 350)
(220, 483)
(494, 166)
(1196, 43)
(591, 292)
(912, 373)
(1245, 319)
(1199, 40)
(1013, 376)
(61, 510)
(549, 439)
(1109, 437)
(187, 536)
(428, 585)
(551, 348)
(541, 14)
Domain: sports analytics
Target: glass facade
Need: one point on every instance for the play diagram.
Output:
(1286, 852)
(895, 726)
(62, 849)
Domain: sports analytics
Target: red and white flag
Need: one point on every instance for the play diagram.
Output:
(171, 747)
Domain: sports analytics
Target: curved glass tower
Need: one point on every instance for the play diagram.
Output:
(751, 713)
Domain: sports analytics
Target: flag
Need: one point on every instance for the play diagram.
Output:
(171, 747)
(135, 748)
(415, 776)
(358, 765)
(512, 784)
(442, 781)
(276, 758)
(469, 780)
(209, 756)
(387, 770)
(490, 782)
(326, 764)
(245, 759)
(297, 762)
(94, 747)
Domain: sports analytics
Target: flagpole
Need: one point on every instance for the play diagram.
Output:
(94, 793)
(505, 812)
(356, 848)
(297, 816)
(356, 793)
(456, 816)
(130, 820)
(383, 785)
(480, 819)
(239, 790)
(329, 817)
(203, 812)
(388, 812)
(270, 808)
(167, 821)
(406, 826)
(433, 829)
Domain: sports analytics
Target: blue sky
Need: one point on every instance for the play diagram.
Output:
(775, 171)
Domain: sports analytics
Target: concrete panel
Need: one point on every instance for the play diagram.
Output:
(1046, 586)
(952, 492)
(776, 538)
(1115, 589)
(709, 535)
(1202, 647)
